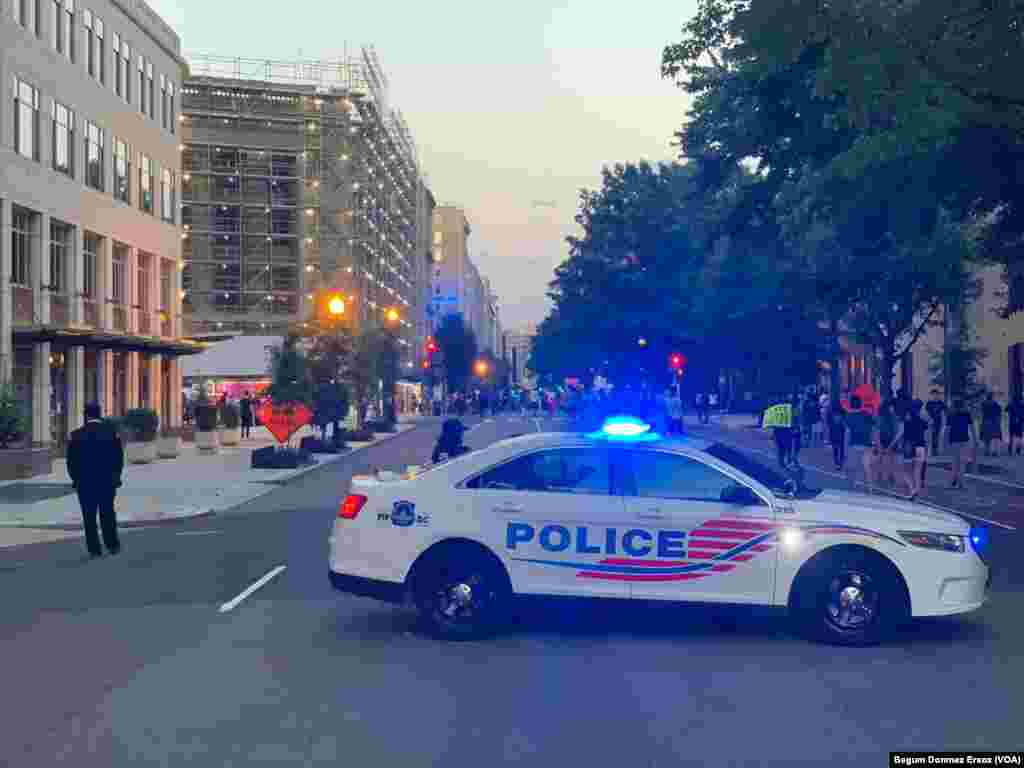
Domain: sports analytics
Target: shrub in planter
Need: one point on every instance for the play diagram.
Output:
(13, 421)
(206, 417)
(141, 425)
(231, 420)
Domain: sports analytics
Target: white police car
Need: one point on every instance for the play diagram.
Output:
(624, 513)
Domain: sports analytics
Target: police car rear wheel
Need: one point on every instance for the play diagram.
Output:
(849, 598)
(462, 597)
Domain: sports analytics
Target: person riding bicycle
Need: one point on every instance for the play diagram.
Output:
(450, 442)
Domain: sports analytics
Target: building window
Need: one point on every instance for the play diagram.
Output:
(172, 120)
(60, 248)
(150, 90)
(166, 285)
(142, 85)
(119, 264)
(90, 258)
(167, 195)
(94, 141)
(145, 184)
(63, 139)
(438, 237)
(28, 14)
(163, 101)
(61, 24)
(21, 247)
(122, 171)
(96, 51)
(122, 63)
(26, 120)
(142, 271)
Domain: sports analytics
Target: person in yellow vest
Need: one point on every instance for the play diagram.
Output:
(779, 418)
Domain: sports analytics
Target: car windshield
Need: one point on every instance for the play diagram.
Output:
(775, 481)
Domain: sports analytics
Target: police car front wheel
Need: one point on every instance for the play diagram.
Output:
(464, 596)
(849, 597)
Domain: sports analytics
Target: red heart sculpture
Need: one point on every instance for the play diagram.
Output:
(284, 419)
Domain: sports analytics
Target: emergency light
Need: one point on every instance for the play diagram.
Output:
(624, 428)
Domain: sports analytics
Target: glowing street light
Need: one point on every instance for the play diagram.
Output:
(642, 341)
(336, 306)
(480, 368)
(392, 315)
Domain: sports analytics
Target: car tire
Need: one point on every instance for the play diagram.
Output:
(462, 594)
(849, 597)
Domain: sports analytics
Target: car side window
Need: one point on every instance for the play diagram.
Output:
(567, 470)
(668, 476)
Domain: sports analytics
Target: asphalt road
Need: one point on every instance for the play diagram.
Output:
(128, 661)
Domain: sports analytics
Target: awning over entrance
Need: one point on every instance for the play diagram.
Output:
(119, 341)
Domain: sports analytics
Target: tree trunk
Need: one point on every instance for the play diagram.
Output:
(888, 367)
(953, 375)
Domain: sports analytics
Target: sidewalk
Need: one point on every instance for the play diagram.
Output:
(999, 470)
(166, 490)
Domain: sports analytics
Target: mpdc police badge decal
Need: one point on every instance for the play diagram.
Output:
(403, 514)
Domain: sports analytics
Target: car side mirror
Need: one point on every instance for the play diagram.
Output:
(741, 496)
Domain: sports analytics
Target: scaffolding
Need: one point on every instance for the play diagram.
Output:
(335, 171)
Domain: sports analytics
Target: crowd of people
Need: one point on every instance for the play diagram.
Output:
(890, 442)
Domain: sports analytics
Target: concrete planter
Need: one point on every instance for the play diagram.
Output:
(230, 436)
(207, 442)
(168, 447)
(140, 452)
(21, 463)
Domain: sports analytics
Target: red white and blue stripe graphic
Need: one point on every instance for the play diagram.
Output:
(716, 546)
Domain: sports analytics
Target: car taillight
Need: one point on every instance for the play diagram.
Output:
(350, 507)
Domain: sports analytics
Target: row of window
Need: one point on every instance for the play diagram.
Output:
(62, 126)
(62, 248)
(29, 14)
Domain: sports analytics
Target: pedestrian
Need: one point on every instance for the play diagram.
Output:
(991, 423)
(674, 409)
(885, 469)
(936, 415)
(782, 427)
(245, 411)
(1016, 412)
(861, 439)
(914, 448)
(837, 434)
(812, 419)
(961, 437)
(901, 405)
(796, 430)
(95, 460)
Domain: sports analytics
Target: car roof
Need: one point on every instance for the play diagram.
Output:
(556, 439)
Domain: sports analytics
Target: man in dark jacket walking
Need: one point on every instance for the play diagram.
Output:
(95, 462)
(246, 411)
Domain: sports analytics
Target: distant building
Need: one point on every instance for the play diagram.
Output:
(517, 347)
(456, 284)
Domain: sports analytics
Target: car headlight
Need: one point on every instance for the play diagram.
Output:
(947, 542)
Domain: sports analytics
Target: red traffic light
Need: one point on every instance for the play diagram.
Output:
(677, 361)
(431, 346)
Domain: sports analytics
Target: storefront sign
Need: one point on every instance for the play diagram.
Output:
(283, 420)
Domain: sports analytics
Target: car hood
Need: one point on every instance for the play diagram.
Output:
(863, 509)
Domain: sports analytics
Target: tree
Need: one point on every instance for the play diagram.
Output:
(374, 369)
(290, 381)
(457, 346)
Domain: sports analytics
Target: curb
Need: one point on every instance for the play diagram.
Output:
(269, 486)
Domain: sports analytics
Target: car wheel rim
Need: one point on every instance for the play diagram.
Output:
(461, 602)
(852, 602)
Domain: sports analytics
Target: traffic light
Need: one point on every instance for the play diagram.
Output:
(677, 362)
(431, 346)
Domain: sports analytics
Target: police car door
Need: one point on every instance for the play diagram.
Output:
(551, 516)
(690, 542)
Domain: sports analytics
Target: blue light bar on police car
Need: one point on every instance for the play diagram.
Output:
(624, 428)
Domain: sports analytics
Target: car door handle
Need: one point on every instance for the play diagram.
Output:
(509, 509)
(652, 514)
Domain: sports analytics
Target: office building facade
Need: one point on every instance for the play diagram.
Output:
(89, 219)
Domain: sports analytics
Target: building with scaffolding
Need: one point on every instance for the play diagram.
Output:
(298, 179)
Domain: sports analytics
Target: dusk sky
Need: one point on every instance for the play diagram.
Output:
(509, 104)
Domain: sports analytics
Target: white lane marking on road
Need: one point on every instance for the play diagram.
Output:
(196, 533)
(896, 495)
(251, 588)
